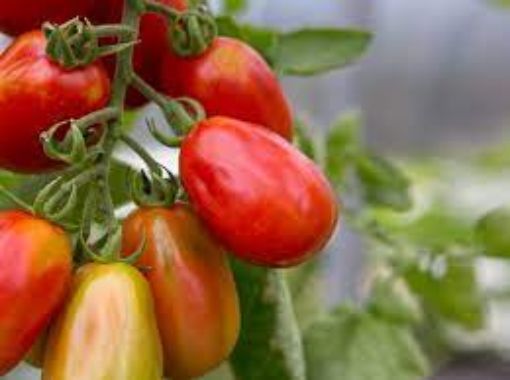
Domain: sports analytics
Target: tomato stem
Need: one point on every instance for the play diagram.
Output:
(16, 200)
(122, 79)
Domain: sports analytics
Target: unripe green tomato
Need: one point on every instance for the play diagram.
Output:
(108, 329)
(493, 232)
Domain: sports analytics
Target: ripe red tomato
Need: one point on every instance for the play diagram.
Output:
(20, 16)
(35, 274)
(107, 329)
(193, 288)
(261, 197)
(153, 42)
(36, 93)
(230, 79)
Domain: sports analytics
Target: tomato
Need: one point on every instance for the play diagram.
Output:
(36, 93)
(35, 274)
(230, 79)
(261, 197)
(107, 330)
(21, 16)
(153, 44)
(193, 288)
(35, 356)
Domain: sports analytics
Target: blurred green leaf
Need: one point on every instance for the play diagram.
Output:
(269, 347)
(355, 345)
(233, 6)
(313, 51)
(304, 141)
(447, 285)
(500, 3)
(264, 40)
(306, 287)
(493, 233)
(438, 228)
(383, 184)
(342, 143)
(393, 301)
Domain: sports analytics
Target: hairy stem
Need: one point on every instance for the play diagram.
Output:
(123, 74)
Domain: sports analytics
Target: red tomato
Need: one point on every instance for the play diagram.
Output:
(193, 288)
(230, 79)
(261, 197)
(150, 51)
(20, 16)
(35, 274)
(36, 93)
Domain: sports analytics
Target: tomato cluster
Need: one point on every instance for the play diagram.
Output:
(250, 192)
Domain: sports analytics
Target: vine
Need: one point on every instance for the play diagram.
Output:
(77, 43)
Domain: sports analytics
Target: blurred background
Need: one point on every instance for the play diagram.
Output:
(435, 83)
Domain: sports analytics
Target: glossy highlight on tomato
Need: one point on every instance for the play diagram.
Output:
(35, 276)
(20, 16)
(35, 94)
(261, 197)
(193, 288)
(154, 42)
(107, 330)
(230, 79)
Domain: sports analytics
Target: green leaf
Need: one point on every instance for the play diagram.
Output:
(447, 286)
(437, 229)
(313, 51)
(264, 40)
(500, 3)
(233, 6)
(383, 184)
(306, 282)
(393, 301)
(228, 27)
(492, 232)
(355, 345)
(342, 144)
(269, 347)
(304, 140)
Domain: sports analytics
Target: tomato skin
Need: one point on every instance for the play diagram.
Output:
(263, 199)
(35, 275)
(20, 16)
(35, 356)
(193, 288)
(107, 330)
(153, 44)
(35, 94)
(230, 79)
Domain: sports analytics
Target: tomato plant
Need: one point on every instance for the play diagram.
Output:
(185, 282)
(107, 329)
(230, 79)
(154, 41)
(36, 94)
(35, 275)
(193, 288)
